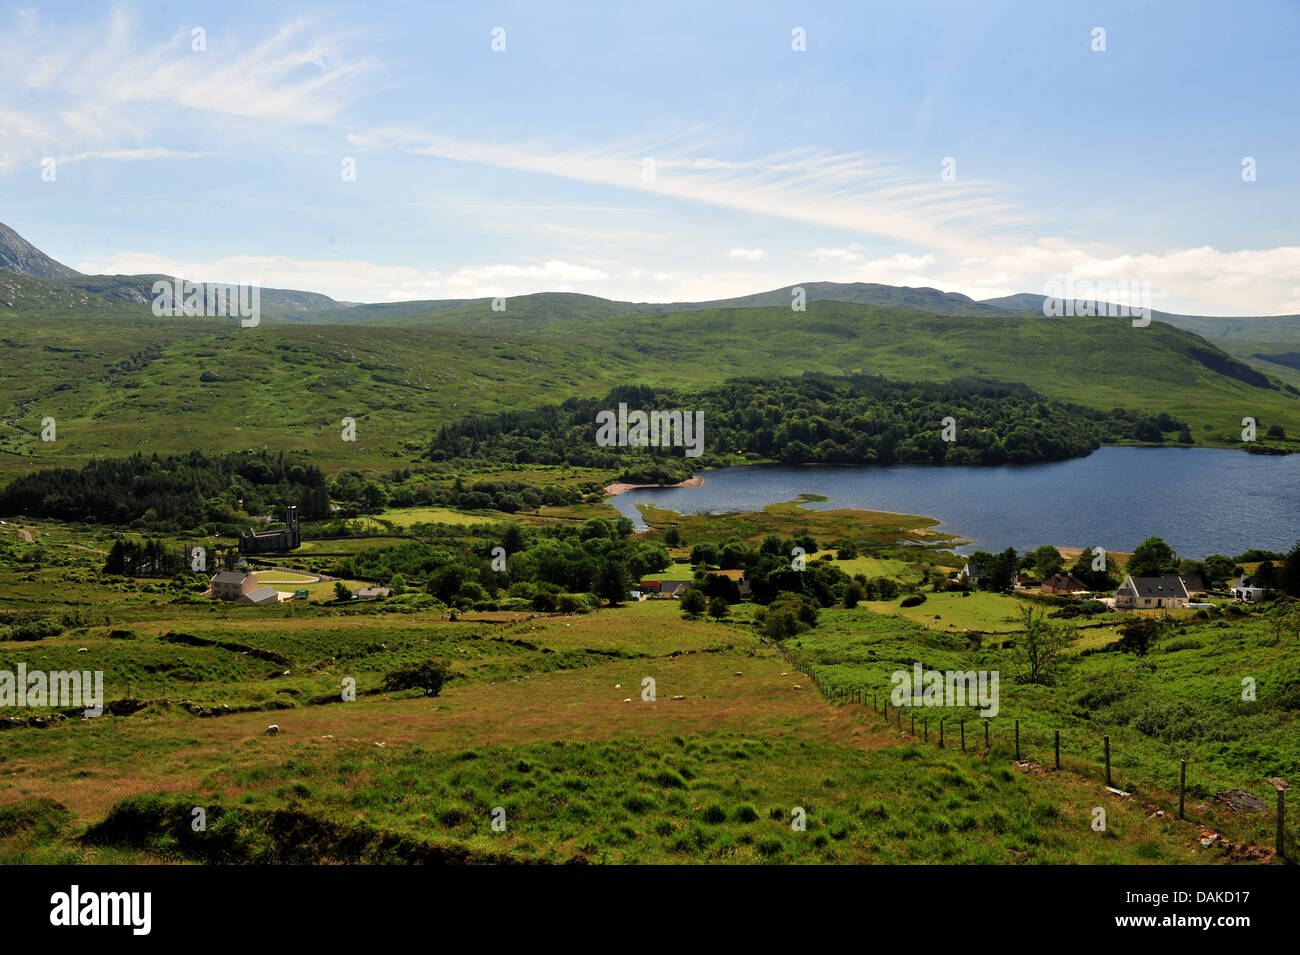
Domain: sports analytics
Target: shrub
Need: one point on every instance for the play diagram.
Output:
(715, 814)
(913, 601)
(428, 676)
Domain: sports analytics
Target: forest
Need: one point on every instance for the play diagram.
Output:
(810, 419)
(176, 491)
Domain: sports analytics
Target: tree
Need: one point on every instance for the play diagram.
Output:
(428, 676)
(612, 581)
(673, 537)
(1099, 579)
(693, 602)
(852, 594)
(718, 608)
(1218, 569)
(704, 554)
(1152, 558)
(1289, 577)
(1039, 648)
(1048, 561)
(341, 591)
(1137, 635)
(513, 539)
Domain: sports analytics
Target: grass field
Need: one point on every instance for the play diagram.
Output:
(535, 723)
(544, 718)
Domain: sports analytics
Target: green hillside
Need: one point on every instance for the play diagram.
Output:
(116, 382)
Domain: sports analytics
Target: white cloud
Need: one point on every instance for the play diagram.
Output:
(748, 255)
(95, 84)
(849, 191)
(134, 155)
(359, 281)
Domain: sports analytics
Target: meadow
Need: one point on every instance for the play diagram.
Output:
(544, 719)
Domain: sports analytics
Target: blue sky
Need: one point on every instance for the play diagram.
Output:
(498, 173)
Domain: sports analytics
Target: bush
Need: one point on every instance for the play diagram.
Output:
(913, 601)
(715, 814)
(693, 602)
(428, 676)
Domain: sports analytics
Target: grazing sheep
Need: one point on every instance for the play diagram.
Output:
(82, 650)
(273, 729)
(627, 700)
(679, 697)
(798, 687)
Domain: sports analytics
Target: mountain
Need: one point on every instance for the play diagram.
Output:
(19, 256)
(67, 287)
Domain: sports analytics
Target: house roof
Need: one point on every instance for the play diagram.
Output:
(229, 577)
(672, 586)
(1171, 585)
(373, 592)
(1064, 582)
(1192, 582)
(261, 594)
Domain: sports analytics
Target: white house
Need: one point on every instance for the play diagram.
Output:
(1246, 588)
(1151, 593)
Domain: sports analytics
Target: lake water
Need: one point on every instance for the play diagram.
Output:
(1200, 500)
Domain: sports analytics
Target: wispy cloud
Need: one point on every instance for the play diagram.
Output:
(840, 190)
(69, 87)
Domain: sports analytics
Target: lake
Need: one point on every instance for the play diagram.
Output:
(1200, 500)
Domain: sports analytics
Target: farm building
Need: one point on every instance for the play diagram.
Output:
(1063, 584)
(261, 597)
(232, 584)
(1151, 593)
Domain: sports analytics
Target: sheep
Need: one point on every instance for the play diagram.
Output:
(273, 729)
(83, 650)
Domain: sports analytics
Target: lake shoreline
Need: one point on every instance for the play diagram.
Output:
(1115, 497)
(619, 487)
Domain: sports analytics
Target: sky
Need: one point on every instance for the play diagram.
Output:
(662, 152)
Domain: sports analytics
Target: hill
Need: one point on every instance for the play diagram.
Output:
(19, 256)
(118, 383)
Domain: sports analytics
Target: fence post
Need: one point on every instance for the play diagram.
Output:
(1058, 749)
(941, 732)
(1281, 787)
(963, 735)
(1182, 785)
(1281, 816)
(1107, 741)
(925, 725)
(1017, 741)
(986, 734)
(898, 711)
(873, 699)
(913, 731)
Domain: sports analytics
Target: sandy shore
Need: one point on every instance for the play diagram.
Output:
(619, 488)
